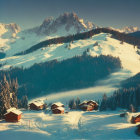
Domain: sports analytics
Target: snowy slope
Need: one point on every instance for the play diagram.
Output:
(74, 125)
(12, 40)
(97, 45)
(126, 29)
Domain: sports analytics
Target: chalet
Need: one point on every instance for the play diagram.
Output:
(37, 105)
(56, 105)
(87, 108)
(93, 103)
(88, 105)
(58, 110)
(135, 118)
(13, 115)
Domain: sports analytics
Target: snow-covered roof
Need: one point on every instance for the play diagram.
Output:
(38, 103)
(60, 108)
(58, 104)
(14, 110)
(136, 115)
(92, 101)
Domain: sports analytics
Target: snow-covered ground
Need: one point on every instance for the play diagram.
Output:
(97, 45)
(74, 125)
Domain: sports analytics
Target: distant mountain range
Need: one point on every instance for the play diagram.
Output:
(65, 24)
(127, 29)
(9, 30)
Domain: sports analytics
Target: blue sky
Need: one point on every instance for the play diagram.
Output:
(29, 13)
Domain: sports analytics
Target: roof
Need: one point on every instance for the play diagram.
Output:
(14, 110)
(58, 104)
(85, 102)
(60, 108)
(136, 115)
(37, 103)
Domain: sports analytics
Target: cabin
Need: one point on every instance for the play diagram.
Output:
(87, 108)
(37, 105)
(58, 110)
(56, 105)
(93, 103)
(135, 119)
(88, 105)
(12, 115)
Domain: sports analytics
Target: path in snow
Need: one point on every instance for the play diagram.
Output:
(74, 125)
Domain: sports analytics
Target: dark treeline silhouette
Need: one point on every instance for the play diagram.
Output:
(53, 76)
(132, 82)
(135, 34)
(115, 34)
(123, 98)
(128, 97)
(2, 55)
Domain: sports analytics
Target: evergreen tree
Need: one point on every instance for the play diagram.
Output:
(103, 105)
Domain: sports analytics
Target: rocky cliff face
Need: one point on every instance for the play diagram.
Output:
(68, 23)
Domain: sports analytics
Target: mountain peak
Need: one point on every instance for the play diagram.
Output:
(130, 29)
(65, 24)
(9, 30)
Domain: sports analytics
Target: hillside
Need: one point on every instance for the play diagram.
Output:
(74, 73)
(132, 82)
(135, 34)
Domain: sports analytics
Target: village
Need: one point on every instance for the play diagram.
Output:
(14, 115)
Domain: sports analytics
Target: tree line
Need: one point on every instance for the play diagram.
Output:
(85, 35)
(8, 96)
(55, 76)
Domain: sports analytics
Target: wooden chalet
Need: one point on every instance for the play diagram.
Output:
(13, 115)
(36, 105)
(56, 105)
(135, 119)
(93, 103)
(88, 105)
(58, 110)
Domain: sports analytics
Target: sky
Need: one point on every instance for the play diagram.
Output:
(105, 13)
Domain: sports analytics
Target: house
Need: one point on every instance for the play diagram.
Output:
(58, 110)
(37, 105)
(135, 118)
(88, 105)
(56, 105)
(87, 108)
(13, 115)
(93, 103)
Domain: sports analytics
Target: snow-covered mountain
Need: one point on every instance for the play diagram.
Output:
(68, 23)
(97, 45)
(9, 30)
(127, 29)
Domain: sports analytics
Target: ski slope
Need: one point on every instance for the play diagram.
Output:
(74, 125)
(97, 45)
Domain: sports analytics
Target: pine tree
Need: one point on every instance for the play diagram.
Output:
(77, 102)
(103, 105)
